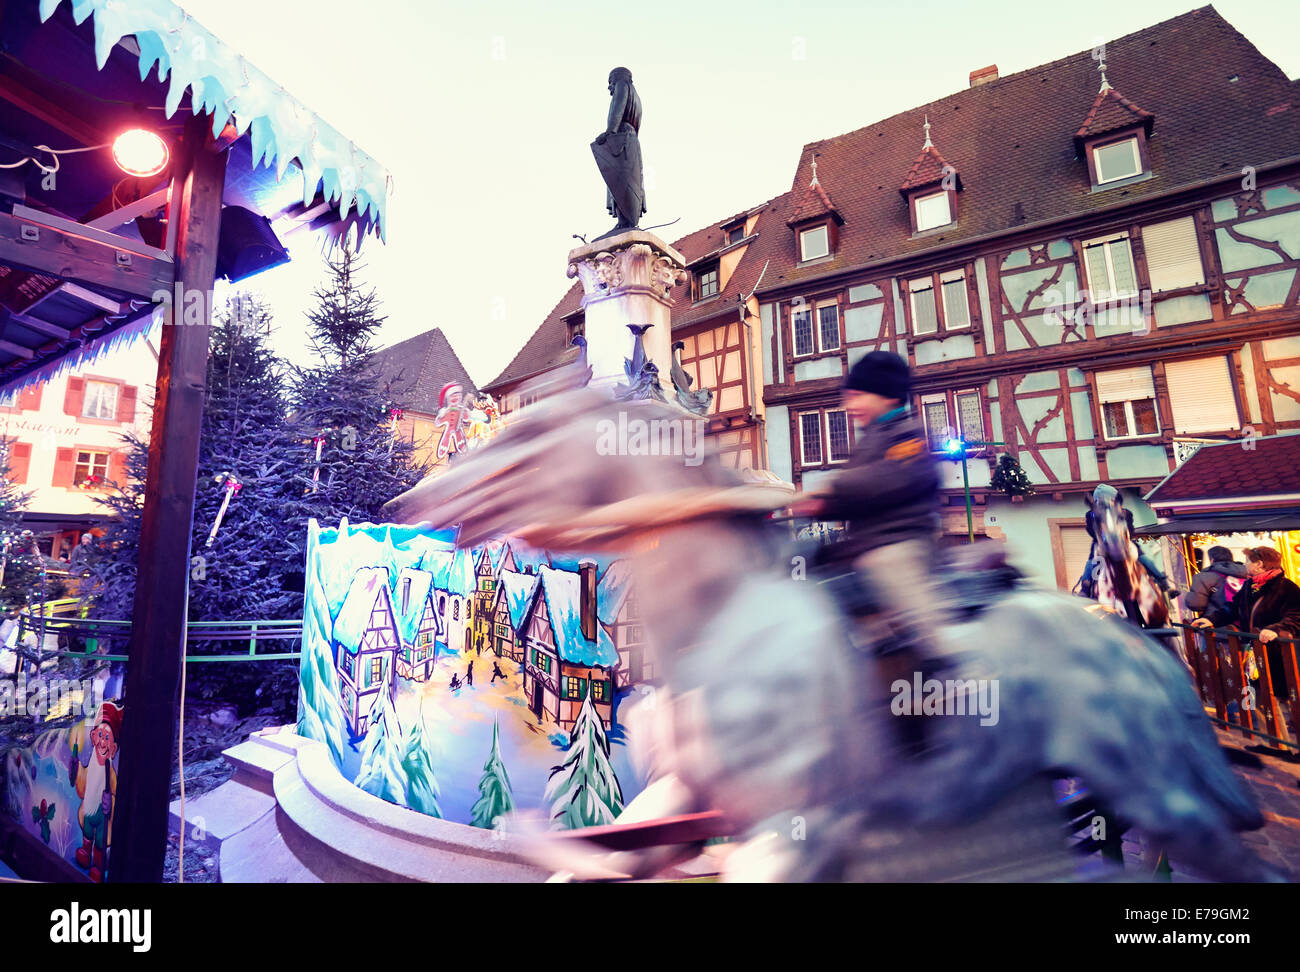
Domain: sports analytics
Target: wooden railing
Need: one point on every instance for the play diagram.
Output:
(1219, 666)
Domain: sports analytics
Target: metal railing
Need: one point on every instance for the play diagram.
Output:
(1219, 661)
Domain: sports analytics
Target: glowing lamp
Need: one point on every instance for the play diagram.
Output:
(140, 153)
(954, 447)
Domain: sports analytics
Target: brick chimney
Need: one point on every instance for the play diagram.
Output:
(983, 75)
(587, 598)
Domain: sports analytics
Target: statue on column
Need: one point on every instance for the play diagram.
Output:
(618, 154)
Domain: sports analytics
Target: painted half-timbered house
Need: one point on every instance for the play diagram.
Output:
(567, 654)
(492, 559)
(453, 590)
(366, 644)
(514, 596)
(620, 618)
(418, 624)
(1091, 271)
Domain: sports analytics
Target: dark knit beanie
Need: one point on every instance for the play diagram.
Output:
(883, 373)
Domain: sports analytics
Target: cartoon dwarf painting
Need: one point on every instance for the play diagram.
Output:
(95, 778)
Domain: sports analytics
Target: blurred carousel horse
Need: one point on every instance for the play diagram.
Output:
(773, 713)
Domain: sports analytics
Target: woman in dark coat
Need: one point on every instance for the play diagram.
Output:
(1268, 605)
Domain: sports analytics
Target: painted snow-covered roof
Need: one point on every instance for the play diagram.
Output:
(528, 557)
(437, 563)
(225, 84)
(497, 553)
(408, 621)
(461, 578)
(518, 590)
(563, 590)
(350, 626)
(612, 590)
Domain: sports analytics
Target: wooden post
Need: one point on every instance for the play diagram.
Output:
(158, 619)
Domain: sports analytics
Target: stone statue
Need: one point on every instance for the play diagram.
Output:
(618, 154)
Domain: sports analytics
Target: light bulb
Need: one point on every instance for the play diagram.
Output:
(139, 152)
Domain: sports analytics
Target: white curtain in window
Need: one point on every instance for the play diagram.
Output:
(1200, 393)
(1173, 255)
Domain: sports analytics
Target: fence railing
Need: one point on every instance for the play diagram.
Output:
(1220, 664)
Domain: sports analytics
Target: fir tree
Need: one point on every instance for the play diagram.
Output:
(1010, 478)
(382, 772)
(21, 564)
(495, 797)
(583, 790)
(421, 784)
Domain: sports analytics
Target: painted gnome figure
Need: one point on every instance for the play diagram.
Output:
(92, 773)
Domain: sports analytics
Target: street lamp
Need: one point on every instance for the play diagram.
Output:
(959, 448)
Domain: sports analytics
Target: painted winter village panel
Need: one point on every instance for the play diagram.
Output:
(62, 788)
(466, 683)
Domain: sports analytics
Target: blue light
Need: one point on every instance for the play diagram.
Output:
(954, 447)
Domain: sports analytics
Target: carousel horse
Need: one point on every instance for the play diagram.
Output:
(1123, 585)
(770, 712)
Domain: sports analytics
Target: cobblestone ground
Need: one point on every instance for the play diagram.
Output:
(1276, 786)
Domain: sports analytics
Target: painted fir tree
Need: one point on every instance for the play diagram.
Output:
(495, 796)
(382, 772)
(583, 790)
(417, 760)
(343, 410)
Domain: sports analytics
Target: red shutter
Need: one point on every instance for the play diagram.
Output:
(20, 460)
(74, 397)
(65, 466)
(117, 469)
(30, 397)
(126, 405)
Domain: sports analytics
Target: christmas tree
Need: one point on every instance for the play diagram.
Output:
(421, 784)
(20, 565)
(495, 798)
(1010, 478)
(583, 790)
(343, 411)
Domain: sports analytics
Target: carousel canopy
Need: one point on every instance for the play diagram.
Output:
(84, 247)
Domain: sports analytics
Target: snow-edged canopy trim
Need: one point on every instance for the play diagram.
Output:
(222, 82)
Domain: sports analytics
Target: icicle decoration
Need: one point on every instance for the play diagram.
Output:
(233, 486)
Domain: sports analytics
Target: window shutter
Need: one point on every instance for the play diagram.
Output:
(65, 465)
(1125, 385)
(29, 399)
(117, 469)
(74, 397)
(20, 461)
(1075, 547)
(1173, 254)
(126, 404)
(1200, 392)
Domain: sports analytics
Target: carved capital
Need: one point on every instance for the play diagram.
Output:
(628, 265)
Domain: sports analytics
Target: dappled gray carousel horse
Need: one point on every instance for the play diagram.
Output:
(769, 715)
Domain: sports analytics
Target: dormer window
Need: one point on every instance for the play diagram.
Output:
(735, 235)
(932, 211)
(1117, 160)
(814, 243)
(706, 282)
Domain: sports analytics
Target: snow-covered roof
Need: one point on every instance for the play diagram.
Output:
(528, 557)
(350, 626)
(612, 590)
(437, 563)
(461, 578)
(497, 552)
(518, 590)
(408, 621)
(563, 591)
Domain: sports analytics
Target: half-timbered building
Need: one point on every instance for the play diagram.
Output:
(417, 623)
(366, 644)
(492, 558)
(514, 596)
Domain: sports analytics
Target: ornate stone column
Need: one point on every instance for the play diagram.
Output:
(626, 279)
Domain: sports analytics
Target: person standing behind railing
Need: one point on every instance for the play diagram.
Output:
(1212, 590)
(1267, 605)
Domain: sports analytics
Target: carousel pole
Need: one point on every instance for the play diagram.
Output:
(152, 688)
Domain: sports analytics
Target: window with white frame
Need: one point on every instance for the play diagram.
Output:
(925, 320)
(828, 327)
(934, 415)
(1109, 262)
(1173, 254)
(814, 243)
(810, 438)
(88, 465)
(970, 416)
(932, 211)
(839, 443)
(1118, 160)
(801, 323)
(956, 305)
(706, 282)
(1127, 399)
(100, 401)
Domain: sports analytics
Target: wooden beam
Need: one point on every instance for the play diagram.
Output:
(74, 257)
(17, 349)
(42, 327)
(49, 112)
(152, 691)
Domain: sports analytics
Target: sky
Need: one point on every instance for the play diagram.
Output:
(483, 113)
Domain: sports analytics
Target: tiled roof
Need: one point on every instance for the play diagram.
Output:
(928, 168)
(419, 367)
(1014, 141)
(1271, 467)
(1112, 111)
(814, 202)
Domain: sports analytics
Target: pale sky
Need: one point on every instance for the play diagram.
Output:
(483, 113)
